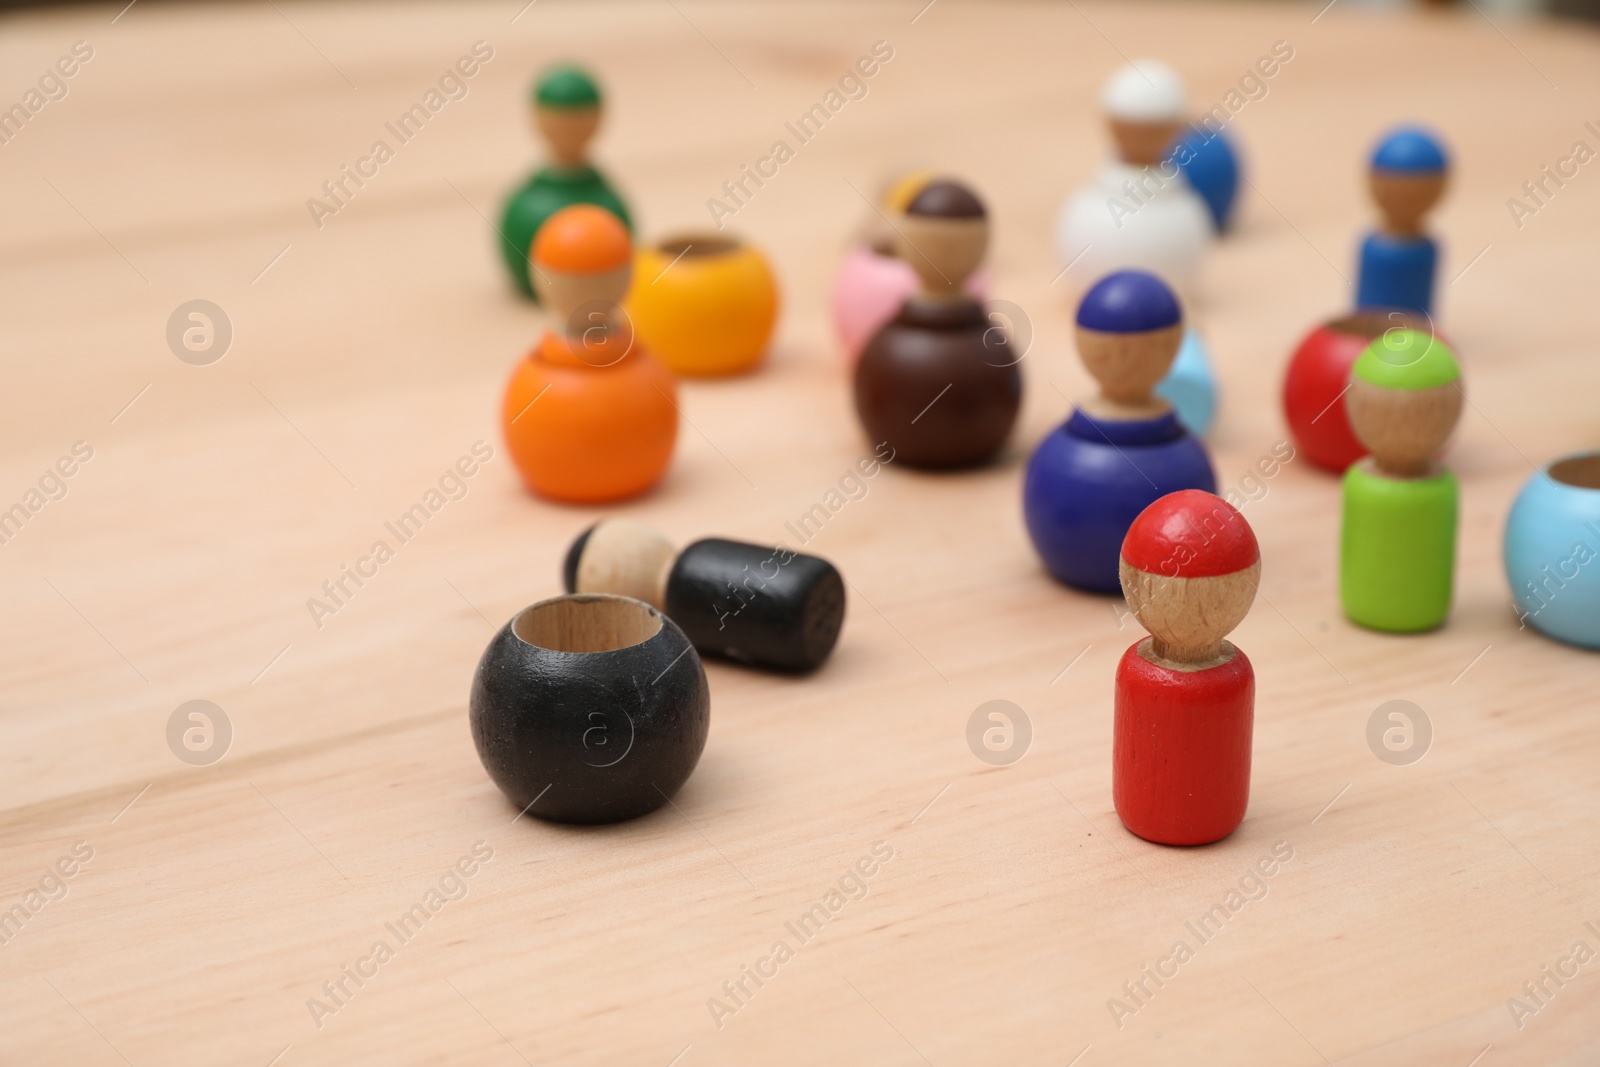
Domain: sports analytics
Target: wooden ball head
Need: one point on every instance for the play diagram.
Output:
(943, 236)
(1143, 144)
(623, 557)
(568, 131)
(583, 261)
(1192, 578)
(1127, 367)
(1404, 428)
(1403, 199)
(566, 109)
(1145, 106)
(566, 293)
(1189, 617)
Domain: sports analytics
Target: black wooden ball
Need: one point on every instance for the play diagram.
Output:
(589, 708)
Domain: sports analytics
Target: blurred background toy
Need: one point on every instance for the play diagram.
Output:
(1552, 550)
(566, 110)
(704, 304)
(589, 416)
(939, 382)
(1121, 450)
(874, 281)
(1138, 212)
(1399, 260)
(1211, 166)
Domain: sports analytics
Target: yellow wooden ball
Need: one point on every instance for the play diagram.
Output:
(703, 304)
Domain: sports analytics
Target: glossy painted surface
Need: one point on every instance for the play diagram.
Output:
(1211, 167)
(1397, 272)
(1314, 388)
(1397, 549)
(1191, 385)
(1190, 534)
(1410, 150)
(586, 434)
(939, 384)
(1129, 301)
(767, 607)
(547, 191)
(1552, 556)
(590, 737)
(869, 289)
(1181, 741)
(710, 312)
(1089, 479)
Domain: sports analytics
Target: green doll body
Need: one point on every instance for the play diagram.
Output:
(1397, 543)
(1397, 549)
(567, 110)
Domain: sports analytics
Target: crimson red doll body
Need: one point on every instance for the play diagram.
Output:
(1185, 698)
(1181, 749)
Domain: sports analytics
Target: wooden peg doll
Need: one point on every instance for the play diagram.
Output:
(567, 110)
(1120, 450)
(768, 607)
(589, 416)
(1138, 212)
(1398, 262)
(1397, 544)
(1185, 696)
(939, 382)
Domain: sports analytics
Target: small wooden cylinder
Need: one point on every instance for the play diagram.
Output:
(1180, 764)
(1397, 549)
(764, 606)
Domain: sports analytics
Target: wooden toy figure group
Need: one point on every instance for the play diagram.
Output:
(1119, 498)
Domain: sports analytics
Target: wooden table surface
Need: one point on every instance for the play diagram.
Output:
(369, 353)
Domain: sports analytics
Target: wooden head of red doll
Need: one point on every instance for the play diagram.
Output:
(1185, 696)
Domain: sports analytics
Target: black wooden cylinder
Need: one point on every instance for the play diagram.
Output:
(589, 708)
(765, 606)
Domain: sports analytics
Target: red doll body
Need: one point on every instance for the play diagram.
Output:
(1181, 747)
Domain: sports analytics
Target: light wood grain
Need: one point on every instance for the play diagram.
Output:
(371, 355)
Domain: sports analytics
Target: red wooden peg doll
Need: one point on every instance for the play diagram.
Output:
(1185, 698)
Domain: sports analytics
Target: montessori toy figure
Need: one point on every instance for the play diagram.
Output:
(589, 709)
(589, 416)
(940, 382)
(566, 108)
(1139, 212)
(1398, 543)
(874, 281)
(768, 607)
(1398, 262)
(1121, 450)
(1185, 697)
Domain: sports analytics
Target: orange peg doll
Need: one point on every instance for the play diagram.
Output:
(589, 416)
